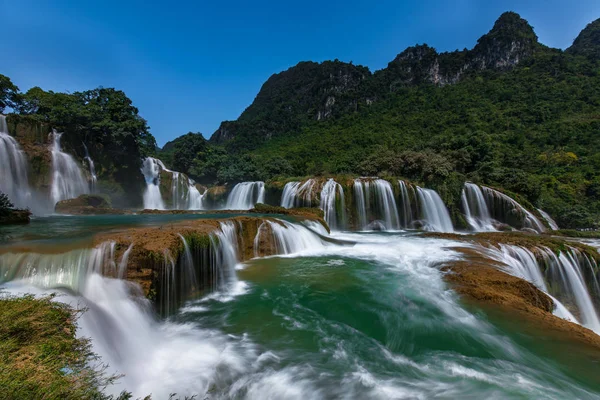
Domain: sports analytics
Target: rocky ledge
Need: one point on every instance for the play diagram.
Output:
(88, 204)
(480, 280)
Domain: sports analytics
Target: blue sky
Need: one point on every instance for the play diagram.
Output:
(189, 65)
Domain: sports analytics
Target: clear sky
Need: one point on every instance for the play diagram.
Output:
(188, 65)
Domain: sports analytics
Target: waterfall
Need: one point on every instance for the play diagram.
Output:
(382, 207)
(226, 243)
(503, 208)
(69, 269)
(195, 199)
(332, 199)
(288, 197)
(93, 178)
(184, 193)
(433, 211)
(152, 197)
(568, 269)
(245, 195)
(475, 208)
(361, 196)
(405, 201)
(553, 225)
(560, 276)
(13, 166)
(287, 238)
(297, 194)
(68, 181)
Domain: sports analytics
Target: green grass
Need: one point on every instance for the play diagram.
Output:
(40, 355)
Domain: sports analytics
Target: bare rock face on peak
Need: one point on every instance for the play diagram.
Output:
(510, 41)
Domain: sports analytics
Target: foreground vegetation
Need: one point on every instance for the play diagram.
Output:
(40, 355)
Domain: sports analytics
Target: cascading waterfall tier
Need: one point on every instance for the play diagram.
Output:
(281, 237)
(245, 195)
(70, 269)
(13, 166)
(298, 194)
(568, 277)
(151, 171)
(375, 204)
(476, 209)
(551, 222)
(90, 162)
(184, 193)
(68, 180)
(507, 210)
(333, 205)
(407, 193)
(434, 214)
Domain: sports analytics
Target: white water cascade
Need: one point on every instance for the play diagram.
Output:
(375, 204)
(90, 162)
(68, 181)
(228, 255)
(184, 193)
(551, 222)
(13, 166)
(152, 197)
(475, 208)
(560, 276)
(503, 207)
(287, 238)
(195, 198)
(406, 216)
(245, 195)
(433, 211)
(332, 199)
(298, 194)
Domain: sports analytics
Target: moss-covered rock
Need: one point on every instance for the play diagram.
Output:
(87, 204)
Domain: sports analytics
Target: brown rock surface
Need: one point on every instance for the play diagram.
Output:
(480, 282)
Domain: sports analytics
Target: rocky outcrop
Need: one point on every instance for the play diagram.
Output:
(86, 204)
(14, 217)
(510, 41)
(481, 282)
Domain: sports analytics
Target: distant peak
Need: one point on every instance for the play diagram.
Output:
(510, 24)
(587, 42)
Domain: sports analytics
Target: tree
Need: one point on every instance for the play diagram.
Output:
(9, 94)
(188, 148)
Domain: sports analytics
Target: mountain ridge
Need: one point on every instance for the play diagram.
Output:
(303, 93)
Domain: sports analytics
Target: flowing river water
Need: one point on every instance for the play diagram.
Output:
(368, 317)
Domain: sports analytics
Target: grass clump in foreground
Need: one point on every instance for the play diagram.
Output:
(40, 356)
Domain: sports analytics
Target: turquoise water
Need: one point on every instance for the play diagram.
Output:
(58, 227)
(373, 320)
